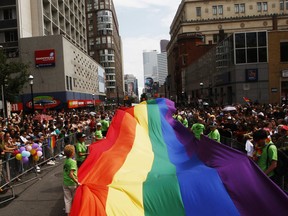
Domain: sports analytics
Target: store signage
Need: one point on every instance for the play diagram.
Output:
(45, 58)
(16, 107)
(44, 102)
(72, 104)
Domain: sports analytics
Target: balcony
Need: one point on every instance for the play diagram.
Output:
(8, 24)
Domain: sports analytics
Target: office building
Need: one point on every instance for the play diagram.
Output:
(33, 18)
(104, 44)
(250, 64)
(211, 22)
(131, 85)
(50, 35)
(61, 72)
(150, 65)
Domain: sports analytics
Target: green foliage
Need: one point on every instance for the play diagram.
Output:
(13, 76)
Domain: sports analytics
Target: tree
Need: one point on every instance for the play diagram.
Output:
(13, 76)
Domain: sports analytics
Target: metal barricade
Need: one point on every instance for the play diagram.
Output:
(11, 169)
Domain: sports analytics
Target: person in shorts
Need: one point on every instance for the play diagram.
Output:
(70, 178)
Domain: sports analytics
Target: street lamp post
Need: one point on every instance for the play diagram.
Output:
(3, 102)
(31, 88)
(93, 97)
(201, 85)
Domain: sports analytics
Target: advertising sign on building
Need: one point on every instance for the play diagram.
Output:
(44, 102)
(72, 104)
(45, 58)
(251, 75)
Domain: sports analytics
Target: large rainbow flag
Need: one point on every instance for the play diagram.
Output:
(151, 165)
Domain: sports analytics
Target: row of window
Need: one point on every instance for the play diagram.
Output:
(240, 8)
(250, 47)
(7, 14)
(98, 5)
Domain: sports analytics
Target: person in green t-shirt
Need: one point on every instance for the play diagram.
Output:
(81, 149)
(98, 132)
(70, 178)
(214, 133)
(266, 157)
(198, 128)
(105, 125)
(184, 121)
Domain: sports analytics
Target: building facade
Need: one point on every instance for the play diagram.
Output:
(104, 44)
(252, 65)
(162, 67)
(131, 85)
(36, 31)
(150, 65)
(32, 18)
(208, 17)
(61, 71)
(215, 21)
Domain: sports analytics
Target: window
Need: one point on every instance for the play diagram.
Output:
(262, 6)
(70, 81)
(242, 8)
(250, 47)
(198, 11)
(220, 9)
(265, 6)
(214, 10)
(259, 6)
(7, 14)
(11, 36)
(236, 7)
(67, 83)
(282, 5)
(284, 51)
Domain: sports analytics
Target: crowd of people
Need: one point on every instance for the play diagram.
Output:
(21, 130)
(259, 130)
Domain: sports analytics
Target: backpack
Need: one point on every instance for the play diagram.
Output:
(282, 163)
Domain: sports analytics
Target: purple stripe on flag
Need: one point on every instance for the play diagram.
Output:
(252, 192)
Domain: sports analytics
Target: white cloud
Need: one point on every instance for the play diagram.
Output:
(147, 3)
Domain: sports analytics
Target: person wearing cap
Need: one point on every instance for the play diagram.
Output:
(98, 132)
(214, 133)
(81, 149)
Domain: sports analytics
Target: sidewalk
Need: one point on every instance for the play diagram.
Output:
(42, 196)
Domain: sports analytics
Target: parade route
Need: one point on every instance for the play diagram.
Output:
(42, 196)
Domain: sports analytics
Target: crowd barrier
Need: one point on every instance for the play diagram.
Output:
(14, 172)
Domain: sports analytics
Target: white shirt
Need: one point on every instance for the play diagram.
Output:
(249, 147)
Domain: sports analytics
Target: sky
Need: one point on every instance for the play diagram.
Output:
(142, 24)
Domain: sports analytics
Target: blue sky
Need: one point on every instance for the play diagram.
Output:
(143, 23)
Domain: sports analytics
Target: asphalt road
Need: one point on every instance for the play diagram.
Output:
(42, 196)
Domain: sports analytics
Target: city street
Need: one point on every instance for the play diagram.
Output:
(42, 196)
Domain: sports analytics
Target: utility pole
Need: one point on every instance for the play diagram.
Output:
(3, 102)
